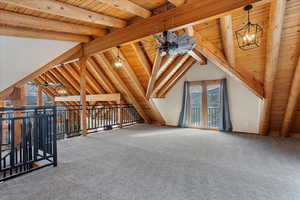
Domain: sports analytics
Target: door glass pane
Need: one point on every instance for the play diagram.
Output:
(196, 106)
(213, 102)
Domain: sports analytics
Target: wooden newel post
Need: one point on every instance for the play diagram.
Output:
(120, 115)
(83, 61)
(40, 96)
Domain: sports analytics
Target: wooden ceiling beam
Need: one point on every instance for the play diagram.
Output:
(128, 6)
(67, 10)
(190, 30)
(93, 68)
(74, 71)
(177, 2)
(153, 77)
(176, 77)
(107, 84)
(130, 73)
(187, 14)
(227, 38)
(118, 82)
(58, 78)
(49, 35)
(69, 78)
(292, 102)
(276, 18)
(165, 64)
(198, 56)
(54, 79)
(27, 21)
(163, 79)
(215, 55)
(141, 55)
(139, 88)
(92, 81)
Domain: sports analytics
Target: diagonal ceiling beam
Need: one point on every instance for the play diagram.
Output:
(27, 21)
(292, 102)
(227, 38)
(76, 75)
(153, 77)
(57, 77)
(49, 35)
(177, 2)
(187, 14)
(67, 10)
(142, 58)
(70, 83)
(118, 82)
(91, 80)
(128, 6)
(198, 56)
(162, 80)
(99, 75)
(130, 73)
(176, 77)
(165, 64)
(276, 18)
(215, 55)
(69, 78)
(139, 88)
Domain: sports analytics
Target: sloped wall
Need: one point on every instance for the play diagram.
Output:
(21, 56)
(244, 105)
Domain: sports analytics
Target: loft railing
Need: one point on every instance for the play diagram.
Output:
(99, 117)
(27, 140)
(28, 135)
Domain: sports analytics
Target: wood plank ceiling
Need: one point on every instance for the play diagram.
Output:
(94, 18)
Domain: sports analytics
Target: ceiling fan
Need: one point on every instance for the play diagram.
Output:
(169, 43)
(46, 83)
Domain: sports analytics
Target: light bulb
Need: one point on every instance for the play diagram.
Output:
(249, 37)
(62, 91)
(118, 64)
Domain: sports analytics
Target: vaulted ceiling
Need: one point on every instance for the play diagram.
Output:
(268, 71)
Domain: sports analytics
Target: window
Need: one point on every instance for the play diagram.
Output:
(205, 104)
(31, 96)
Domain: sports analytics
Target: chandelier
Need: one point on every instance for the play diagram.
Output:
(119, 62)
(250, 35)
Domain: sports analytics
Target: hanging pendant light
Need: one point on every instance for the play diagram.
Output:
(61, 91)
(118, 60)
(249, 36)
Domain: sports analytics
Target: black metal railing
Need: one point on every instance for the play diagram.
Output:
(99, 117)
(28, 135)
(213, 117)
(27, 140)
(196, 117)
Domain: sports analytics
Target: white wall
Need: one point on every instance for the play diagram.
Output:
(22, 56)
(244, 106)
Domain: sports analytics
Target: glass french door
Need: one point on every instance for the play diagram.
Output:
(204, 104)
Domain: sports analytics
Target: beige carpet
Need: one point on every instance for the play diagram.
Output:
(147, 162)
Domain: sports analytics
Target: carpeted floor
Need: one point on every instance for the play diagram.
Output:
(146, 162)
